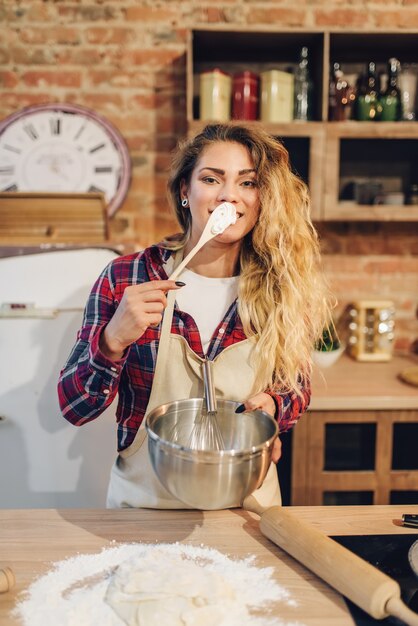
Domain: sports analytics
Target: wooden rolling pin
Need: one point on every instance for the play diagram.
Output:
(374, 592)
(7, 579)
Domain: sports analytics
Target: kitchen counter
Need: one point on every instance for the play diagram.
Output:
(355, 385)
(31, 539)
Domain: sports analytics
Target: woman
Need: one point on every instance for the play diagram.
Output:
(255, 289)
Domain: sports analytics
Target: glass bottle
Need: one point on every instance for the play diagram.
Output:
(408, 85)
(303, 88)
(341, 96)
(368, 105)
(390, 99)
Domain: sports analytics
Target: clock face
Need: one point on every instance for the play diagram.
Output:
(63, 148)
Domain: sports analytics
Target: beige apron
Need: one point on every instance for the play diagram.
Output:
(133, 482)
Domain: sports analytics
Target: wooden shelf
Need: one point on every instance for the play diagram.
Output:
(234, 49)
(350, 212)
(373, 130)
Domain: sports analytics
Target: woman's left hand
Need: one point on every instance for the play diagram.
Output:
(264, 402)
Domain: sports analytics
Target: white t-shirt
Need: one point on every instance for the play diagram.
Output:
(206, 300)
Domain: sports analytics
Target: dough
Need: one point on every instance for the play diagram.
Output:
(159, 588)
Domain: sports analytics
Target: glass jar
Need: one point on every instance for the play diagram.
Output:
(215, 95)
(277, 89)
(245, 88)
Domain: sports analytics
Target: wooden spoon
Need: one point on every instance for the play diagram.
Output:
(374, 592)
(213, 228)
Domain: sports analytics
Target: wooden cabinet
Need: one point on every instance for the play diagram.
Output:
(344, 457)
(357, 443)
(332, 157)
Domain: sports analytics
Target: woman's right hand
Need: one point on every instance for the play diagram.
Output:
(141, 306)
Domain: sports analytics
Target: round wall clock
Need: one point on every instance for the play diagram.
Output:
(63, 148)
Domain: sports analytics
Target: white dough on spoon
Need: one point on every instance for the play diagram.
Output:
(223, 216)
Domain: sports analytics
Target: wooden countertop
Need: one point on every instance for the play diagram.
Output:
(354, 385)
(31, 539)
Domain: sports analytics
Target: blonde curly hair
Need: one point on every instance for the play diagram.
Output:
(283, 298)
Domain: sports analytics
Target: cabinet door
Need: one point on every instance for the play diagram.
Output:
(355, 457)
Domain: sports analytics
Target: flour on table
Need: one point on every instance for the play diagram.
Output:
(154, 584)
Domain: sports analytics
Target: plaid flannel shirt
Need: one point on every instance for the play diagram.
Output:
(89, 381)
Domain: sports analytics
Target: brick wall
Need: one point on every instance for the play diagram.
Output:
(126, 59)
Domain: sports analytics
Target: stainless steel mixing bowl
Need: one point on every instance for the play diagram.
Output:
(215, 479)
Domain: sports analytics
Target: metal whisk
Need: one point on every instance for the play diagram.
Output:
(206, 434)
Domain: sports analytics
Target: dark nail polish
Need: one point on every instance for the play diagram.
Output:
(180, 284)
(240, 408)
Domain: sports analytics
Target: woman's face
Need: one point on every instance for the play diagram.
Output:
(224, 173)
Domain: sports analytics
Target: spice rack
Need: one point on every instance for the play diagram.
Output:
(325, 154)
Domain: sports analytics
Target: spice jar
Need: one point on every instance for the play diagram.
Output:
(245, 90)
(215, 95)
(277, 90)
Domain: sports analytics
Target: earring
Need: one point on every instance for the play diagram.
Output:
(184, 202)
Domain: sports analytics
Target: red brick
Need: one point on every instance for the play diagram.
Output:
(283, 16)
(343, 263)
(28, 55)
(170, 124)
(80, 56)
(165, 226)
(89, 13)
(34, 11)
(341, 17)
(408, 18)
(55, 35)
(133, 123)
(365, 245)
(9, 79)
(151, 57)
(143, 101)
(384, 266)
(142, 184)
(60, 79)
(110, 35)
(4, 56)
(10, 102)
(215, 14)
(102, 102)
(162, 162)
(151, 14)
(132, 203)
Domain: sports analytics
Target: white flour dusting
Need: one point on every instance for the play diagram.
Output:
(146, 584)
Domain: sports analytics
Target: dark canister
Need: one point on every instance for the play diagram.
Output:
(245, 90)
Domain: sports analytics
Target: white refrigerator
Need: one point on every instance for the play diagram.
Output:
(45, 461)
